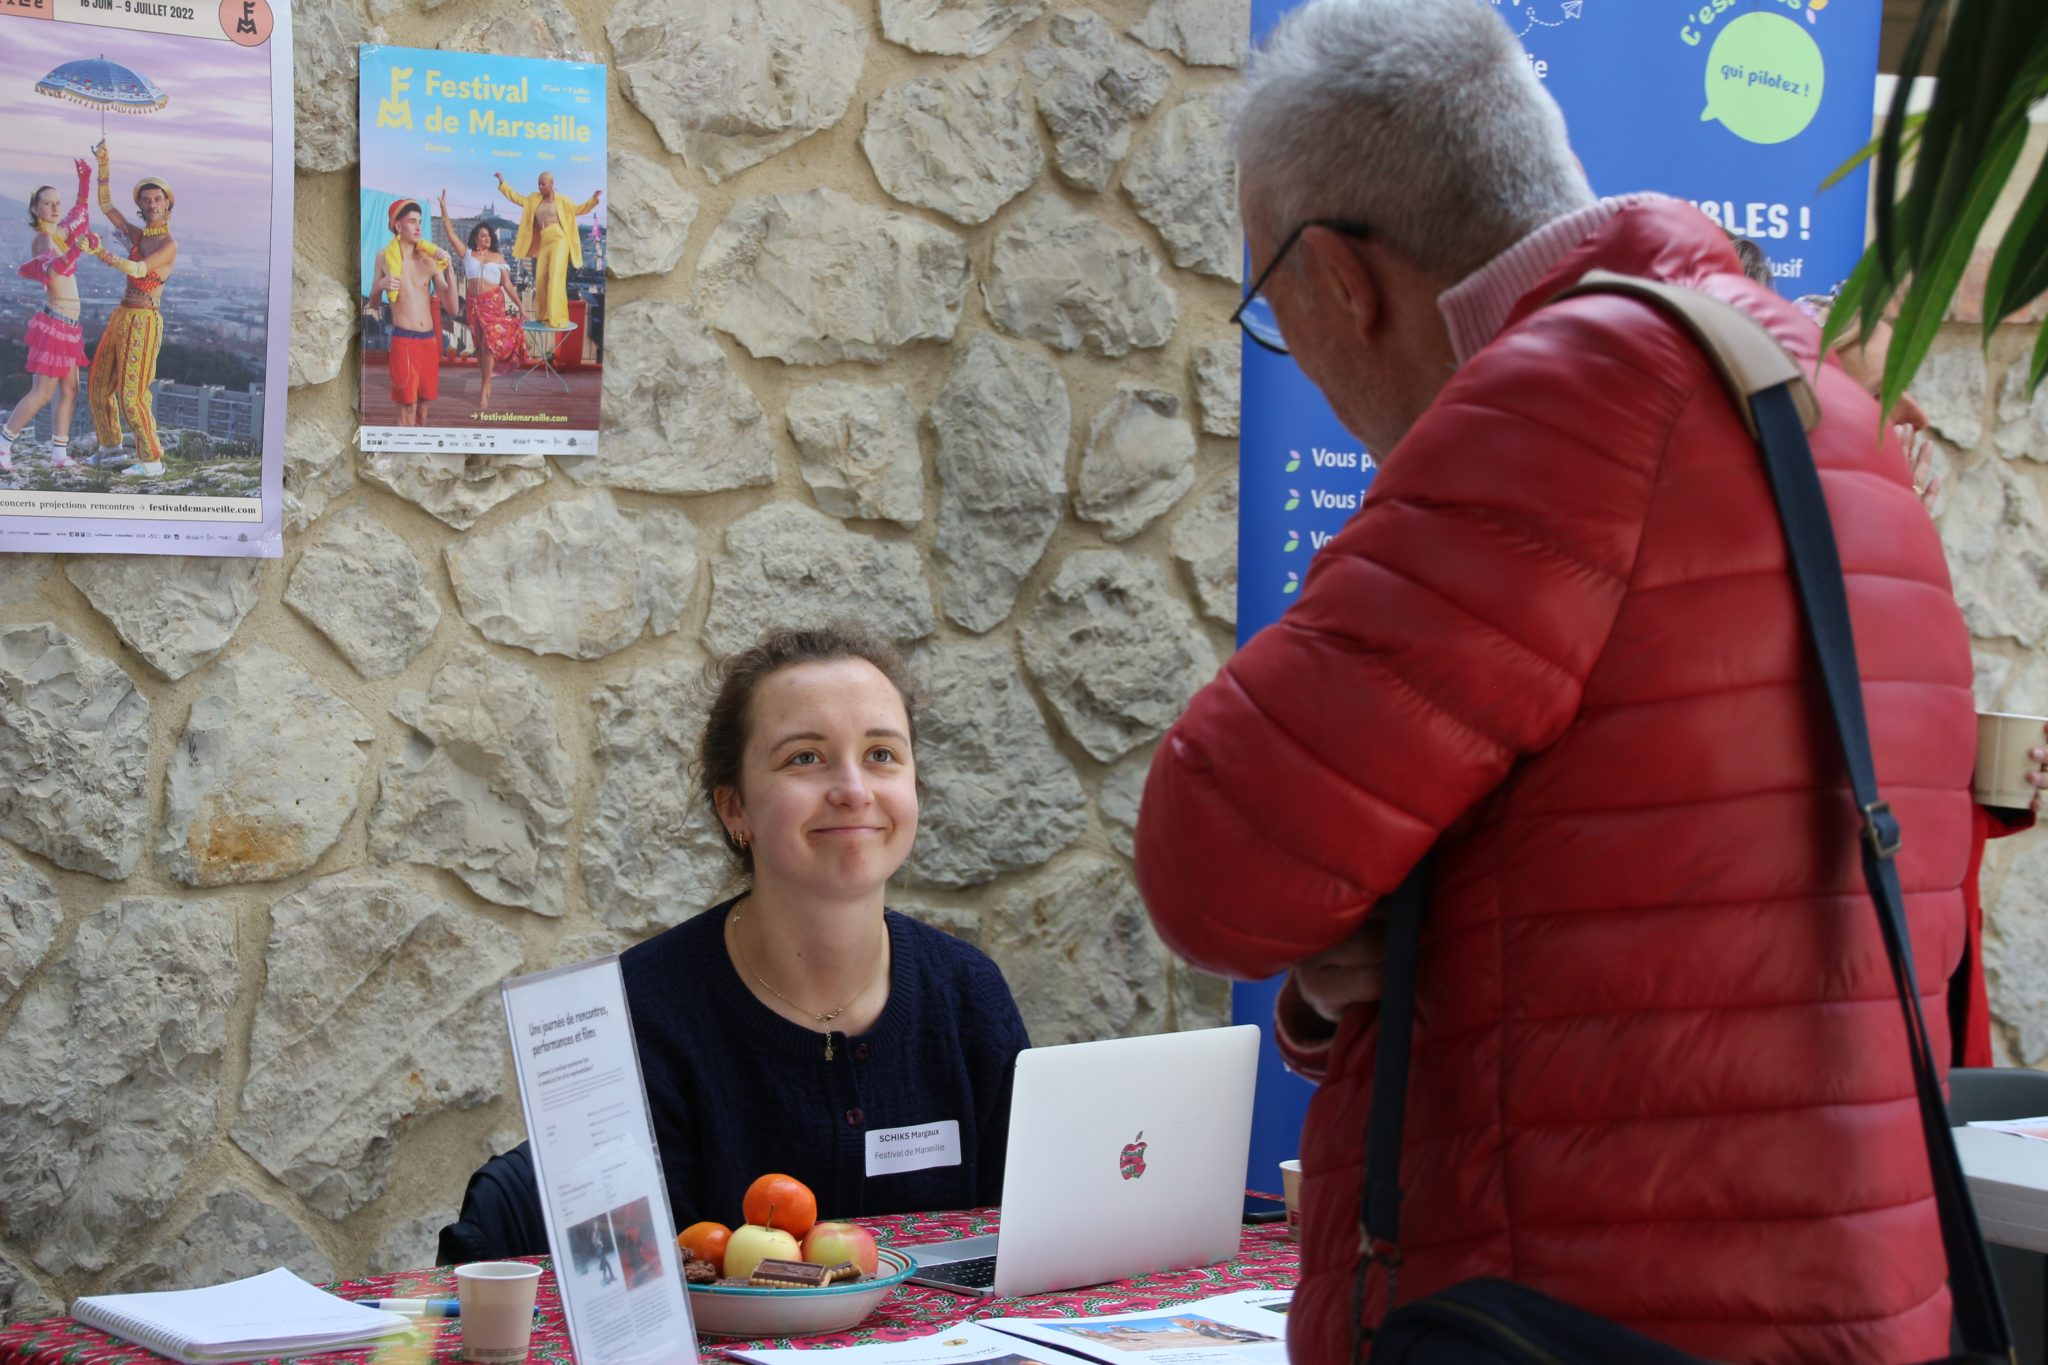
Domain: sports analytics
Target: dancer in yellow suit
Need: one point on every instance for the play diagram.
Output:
(124, 363)
(547, 233)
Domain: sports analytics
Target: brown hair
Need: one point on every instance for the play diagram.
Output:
(483, 227)
(33, 221)
(733, 680)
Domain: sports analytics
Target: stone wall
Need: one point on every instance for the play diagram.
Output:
(923, 323)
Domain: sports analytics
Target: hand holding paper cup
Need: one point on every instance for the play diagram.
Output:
(2008, 748)
(497, 1308)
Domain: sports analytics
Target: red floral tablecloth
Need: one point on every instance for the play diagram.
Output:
(1265, 1260)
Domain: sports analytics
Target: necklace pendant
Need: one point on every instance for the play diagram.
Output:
(828, 1047)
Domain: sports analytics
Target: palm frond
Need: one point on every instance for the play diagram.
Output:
(1955, 161)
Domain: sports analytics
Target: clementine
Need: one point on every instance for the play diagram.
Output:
(781, 1201)
(706, 1242)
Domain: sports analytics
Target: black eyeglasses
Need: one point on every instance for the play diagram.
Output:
(1255, 314)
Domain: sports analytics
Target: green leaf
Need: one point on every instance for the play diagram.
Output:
(1849, 305)
(1869, 150)
(2038, 365)
(1890, 136)
(1990, 54)
(2019, 268)
(1937, 274)
(1970, 74)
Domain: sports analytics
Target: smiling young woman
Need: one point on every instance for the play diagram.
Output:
(802, 1026)
(799, 1025)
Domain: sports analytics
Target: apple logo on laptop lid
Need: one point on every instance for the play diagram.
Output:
(1130, 1162)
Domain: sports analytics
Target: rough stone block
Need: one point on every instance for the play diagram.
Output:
(379, 1009)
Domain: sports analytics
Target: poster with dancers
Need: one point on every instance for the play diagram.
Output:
(145, 307)
(481, 259)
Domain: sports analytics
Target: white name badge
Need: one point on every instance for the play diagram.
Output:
(921, 1146)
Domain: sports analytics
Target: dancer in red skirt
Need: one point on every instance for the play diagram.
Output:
(56, 349)
(491, 303)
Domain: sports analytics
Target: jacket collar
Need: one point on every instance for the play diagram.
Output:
(1638, 234)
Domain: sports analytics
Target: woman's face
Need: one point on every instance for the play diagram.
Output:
(483, 239)
(828, 788)
(47, 207)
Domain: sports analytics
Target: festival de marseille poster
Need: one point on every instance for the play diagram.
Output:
(481, 259)
(145, 307)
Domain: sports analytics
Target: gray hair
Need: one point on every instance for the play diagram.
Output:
(1419, 118)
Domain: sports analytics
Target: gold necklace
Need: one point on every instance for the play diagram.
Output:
(880, 959)
(158, 230)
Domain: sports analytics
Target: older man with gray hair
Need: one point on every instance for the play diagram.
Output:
(1658, 1068)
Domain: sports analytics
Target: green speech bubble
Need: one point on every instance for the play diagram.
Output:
(1764, 77)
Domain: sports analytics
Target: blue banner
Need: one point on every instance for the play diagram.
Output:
(1742, 107)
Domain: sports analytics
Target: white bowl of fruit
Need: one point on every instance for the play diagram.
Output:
(783, 1274)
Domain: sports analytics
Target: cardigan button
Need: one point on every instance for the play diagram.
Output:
(853, 1118)
(860, 1052)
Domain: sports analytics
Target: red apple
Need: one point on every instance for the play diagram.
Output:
(831, 1243)
(753, 1243)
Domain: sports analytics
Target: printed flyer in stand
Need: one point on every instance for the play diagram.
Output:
(145, 314)
(481, 259)
(595, 1160)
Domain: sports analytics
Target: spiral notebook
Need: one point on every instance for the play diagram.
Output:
(272, 1314)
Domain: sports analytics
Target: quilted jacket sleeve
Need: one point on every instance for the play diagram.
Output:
(1446, 631)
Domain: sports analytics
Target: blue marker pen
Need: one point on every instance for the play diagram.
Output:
(417, 1308)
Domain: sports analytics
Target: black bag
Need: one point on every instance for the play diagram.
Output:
(1494, 1322)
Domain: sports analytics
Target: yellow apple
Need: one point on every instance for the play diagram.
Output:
(753, 1243)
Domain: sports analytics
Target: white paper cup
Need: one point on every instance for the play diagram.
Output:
(497, 1308)
(1290, 1190)
(2003, 762)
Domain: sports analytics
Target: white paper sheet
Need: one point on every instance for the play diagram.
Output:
(1245, 1328)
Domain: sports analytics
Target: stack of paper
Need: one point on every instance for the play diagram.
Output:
(273, 1314)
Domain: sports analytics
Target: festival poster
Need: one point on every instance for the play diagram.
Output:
(481, 252)
(145, 303)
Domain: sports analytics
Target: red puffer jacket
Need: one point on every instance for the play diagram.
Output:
(1659, 1069)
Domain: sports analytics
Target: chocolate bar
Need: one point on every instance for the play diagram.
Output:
(773, 1274)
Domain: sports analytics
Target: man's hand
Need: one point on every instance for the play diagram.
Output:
(1338, 978)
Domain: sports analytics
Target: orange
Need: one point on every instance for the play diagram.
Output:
(706, 1241)
(781, 1201)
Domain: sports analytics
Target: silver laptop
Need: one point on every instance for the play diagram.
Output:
(1126, 1156)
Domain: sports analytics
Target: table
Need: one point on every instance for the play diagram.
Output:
(1266, 1260)
(2008, 1179)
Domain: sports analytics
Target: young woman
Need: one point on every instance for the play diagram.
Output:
(785, 1028)
(491, 303)
(56, 347)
